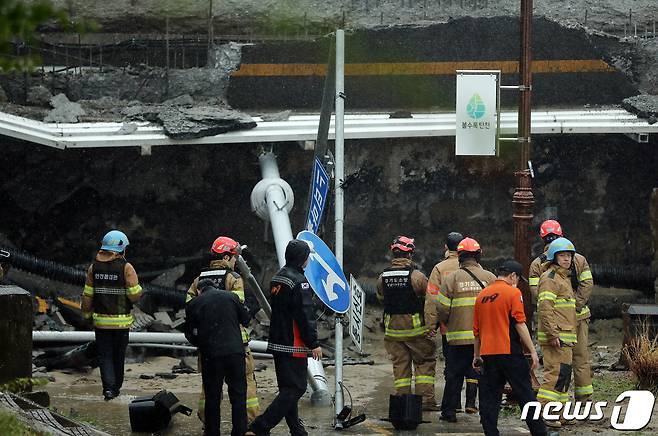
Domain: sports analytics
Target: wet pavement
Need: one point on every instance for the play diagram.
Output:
(370, 388)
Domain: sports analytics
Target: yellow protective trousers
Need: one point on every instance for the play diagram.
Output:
(413, 356)
(557, 374)
(582, 373)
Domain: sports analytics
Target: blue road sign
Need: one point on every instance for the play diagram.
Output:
(325, 275)
(319, 192)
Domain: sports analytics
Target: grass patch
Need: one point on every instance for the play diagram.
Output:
(510, 411)
(10, 426)
(608, 385)
(18, 385)
(75, 415)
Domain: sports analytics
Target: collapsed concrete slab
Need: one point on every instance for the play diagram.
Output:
(188, 123)
(644, 106)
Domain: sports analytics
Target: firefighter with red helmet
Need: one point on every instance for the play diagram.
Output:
(401, 288)
(221, 271)
(456, 303)
(582, 283)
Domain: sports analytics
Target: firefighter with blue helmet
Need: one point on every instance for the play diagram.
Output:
(582, 283)
(556, 309)
(111, 288)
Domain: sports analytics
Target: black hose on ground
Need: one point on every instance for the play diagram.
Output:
(45, 268)
(639, 277)
(73, 276)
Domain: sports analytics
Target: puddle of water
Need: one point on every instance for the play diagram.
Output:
(85, 403)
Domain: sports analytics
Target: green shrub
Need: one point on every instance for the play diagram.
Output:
(10, 426)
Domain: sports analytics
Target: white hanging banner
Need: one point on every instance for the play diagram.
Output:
(357, 313)
(476, 113)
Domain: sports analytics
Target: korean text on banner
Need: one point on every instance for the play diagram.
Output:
(357, 312)
(319, 192)
(477, 102)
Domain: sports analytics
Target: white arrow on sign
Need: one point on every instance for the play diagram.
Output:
(332, 277)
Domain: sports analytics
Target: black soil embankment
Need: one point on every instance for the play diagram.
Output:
(413, 67)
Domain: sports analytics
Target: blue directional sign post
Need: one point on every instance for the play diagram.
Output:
(319, 193)
(330, 285)
(325, 274)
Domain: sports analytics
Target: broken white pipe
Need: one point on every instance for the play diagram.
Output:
(133, 337)
(317, 378)
(272, 200)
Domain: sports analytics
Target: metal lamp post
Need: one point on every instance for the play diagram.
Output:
(523, 199)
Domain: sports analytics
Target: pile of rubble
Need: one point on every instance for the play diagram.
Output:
(60, 315)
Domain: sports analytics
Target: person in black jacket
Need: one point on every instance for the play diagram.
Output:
(293, 336)
(212, 324)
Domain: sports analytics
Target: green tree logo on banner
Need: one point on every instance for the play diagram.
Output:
(475, 107)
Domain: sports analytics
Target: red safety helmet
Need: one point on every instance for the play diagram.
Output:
(403, 243)
(225, 245)
(468, 244)
(550, 227)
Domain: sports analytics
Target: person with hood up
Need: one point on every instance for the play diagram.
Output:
(293, 337)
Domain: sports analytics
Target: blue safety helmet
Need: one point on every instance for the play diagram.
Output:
(115, 240)
(559, 245)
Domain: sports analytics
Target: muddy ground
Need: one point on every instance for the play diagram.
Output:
(78, 394)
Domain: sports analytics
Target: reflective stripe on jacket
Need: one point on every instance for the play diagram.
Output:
(556, 306)
(111, 287)
(456, 301)
(392, 324)
(440, 271)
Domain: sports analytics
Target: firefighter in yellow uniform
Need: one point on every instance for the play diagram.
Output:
(582, 282)
(556, 308)
(456, 301)
(224, 253)
(111, 288)
(401, 288)
(440, 271)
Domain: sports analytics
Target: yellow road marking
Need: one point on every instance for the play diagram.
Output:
(424, 68)
(376, 428)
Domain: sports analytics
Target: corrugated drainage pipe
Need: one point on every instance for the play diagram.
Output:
(74, 276)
